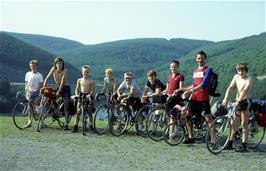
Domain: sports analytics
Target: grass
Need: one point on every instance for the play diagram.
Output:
(55, 149)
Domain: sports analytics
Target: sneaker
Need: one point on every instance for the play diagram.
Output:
(189, 141)
(242, 149)
(229, 146)
(91, 128)
(75, 129)
(141, 127)
(66, 127)
(171, 137)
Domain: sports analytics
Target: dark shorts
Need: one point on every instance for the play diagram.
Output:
(173, 100)
(33, 95)
(135, 103)
(65, 92)
(242, 105)
(199, 107)
(175, 112)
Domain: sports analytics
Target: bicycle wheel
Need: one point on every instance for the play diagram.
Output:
(176, 135)
(255, 135)
(156, 123)
(119, 120)
(100, 121)
(22, 114)
(45, 117)
(140, 120)
(221, 127)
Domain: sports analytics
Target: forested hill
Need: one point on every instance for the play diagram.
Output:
(16, 54)
(136, 55)
(223, 56)
(51, 44)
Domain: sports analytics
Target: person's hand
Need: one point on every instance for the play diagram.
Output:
(235, 104)
(178, 90)
(119, 98)
(224, 102)
(186, 94)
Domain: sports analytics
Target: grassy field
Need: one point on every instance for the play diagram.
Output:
(55, 149)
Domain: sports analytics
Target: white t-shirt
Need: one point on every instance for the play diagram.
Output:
(127, 88)
(34, 81)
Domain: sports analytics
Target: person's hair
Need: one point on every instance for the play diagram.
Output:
(128, 74)
(34, 61)
(58, 59)
(175, 61)
(202, 53)
(85, 67)
(108, 70)
(151, 73)
(242, 66)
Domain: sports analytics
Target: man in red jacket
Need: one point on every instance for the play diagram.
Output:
(200, 94)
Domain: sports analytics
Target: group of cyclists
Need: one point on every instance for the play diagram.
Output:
(197, 92)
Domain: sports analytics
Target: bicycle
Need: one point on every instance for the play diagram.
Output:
(122, 117)
(24, 111)
(158, 118)
(52, 109)
(222, 127)
(102, 114)
(86, 104)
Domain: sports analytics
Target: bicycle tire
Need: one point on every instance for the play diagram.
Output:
(178, 134)
(83, 114)
(20, 114)
(156, 123)
(101, 119)
(222, 128)
(140, 121)
(118, 120)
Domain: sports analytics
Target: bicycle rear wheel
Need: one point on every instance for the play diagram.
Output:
(255, 135)
(156, 123)
(221, 127)
(101, 118)
(119, 120)
(176, 135)
(22, 114)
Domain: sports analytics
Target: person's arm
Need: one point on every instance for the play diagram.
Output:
(115, 86)
(48, 76)
(77, 90)
(145, 91)
(104, 86)
(244, 91)
(41, 83)
(62, 81)
(229, 90)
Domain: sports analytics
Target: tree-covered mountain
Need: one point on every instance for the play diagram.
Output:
(16, 54)
(136, 55)
(51, 44)
(223, 56)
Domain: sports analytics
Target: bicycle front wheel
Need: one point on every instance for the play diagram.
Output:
(220, 129)
(119, 120)
(174, 134)
(100, 121)
(140, 120)
(22, 115)
(156, 123)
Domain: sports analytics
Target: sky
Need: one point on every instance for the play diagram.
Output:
(92, 22)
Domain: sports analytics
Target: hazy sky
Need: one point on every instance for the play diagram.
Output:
(95, 22)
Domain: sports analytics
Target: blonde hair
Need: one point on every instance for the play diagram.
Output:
(34, 61)
(108, 70)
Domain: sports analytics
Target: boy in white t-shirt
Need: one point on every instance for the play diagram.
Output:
(33, 84)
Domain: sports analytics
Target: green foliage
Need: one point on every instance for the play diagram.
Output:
(48, 43)
(223, 57)
(136, 55)
(16, 54)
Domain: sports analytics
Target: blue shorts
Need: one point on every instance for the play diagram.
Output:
(65, 92)
(33, 95)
